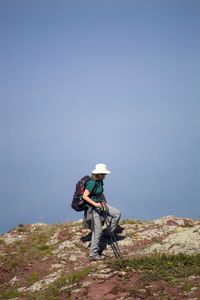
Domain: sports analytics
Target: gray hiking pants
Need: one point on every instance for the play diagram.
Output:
(113, 214)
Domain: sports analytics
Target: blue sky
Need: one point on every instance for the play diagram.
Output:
(86, 82)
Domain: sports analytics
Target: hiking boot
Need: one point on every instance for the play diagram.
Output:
(119, 229)
(97, 257)
(108, 235)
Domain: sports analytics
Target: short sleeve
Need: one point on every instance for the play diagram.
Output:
(90, 185)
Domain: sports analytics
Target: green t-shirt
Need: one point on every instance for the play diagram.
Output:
(98, 191)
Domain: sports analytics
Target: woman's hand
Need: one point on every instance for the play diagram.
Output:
(99, 204)
(90, 201)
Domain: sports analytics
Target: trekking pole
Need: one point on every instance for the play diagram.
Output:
(114, 244)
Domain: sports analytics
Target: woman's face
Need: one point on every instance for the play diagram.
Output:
(102, 176)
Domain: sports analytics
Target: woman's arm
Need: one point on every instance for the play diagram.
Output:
(89, 200)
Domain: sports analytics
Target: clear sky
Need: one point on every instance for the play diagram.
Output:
(105, 81)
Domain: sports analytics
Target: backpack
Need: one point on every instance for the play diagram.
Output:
(78, 203)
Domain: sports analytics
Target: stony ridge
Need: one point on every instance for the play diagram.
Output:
(50, 262)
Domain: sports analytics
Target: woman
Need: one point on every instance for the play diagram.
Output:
(93, 195)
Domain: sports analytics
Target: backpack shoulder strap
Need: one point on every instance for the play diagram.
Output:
(94, 188)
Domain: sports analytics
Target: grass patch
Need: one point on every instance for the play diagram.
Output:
(2, 242)
(38, 241)
(44, 247)
(34, 247)
(15, 260)
(134, 291)
(21, 228)
(9, 294)
(34, 277)
(23, 249)
(81, 247)
(161, 266)
(131, 222)
(1, 258)
(74, 224)
(43, 234)
(187, 287)
(77, 276)
(53, 290)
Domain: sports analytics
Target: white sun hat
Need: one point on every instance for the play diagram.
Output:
(101, 169)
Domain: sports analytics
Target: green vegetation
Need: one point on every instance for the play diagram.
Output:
(43, 234)
(15, 260)
(21, 228)
(38, 240)
(23, 249)
(51, 292)
(161, 266)
(81, 247)
(134, 290)
(2, 242)
(44, 247)
(1, 258)
(66, 282)
(9, 294)
(131, 222)
(77, 276)
(187, 225)
(34, 277)
(187, 286)
(34, 247)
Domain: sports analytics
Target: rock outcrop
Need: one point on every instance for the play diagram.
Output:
(41, 261)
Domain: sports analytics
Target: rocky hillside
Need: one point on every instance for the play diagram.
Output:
(161, 260)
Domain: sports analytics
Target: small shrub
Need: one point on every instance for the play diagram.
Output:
(18, 243)
(187, 287)
(21, 229)
(23, 249)
(76, 276)
(134, 291)
(21, 225)
(2, 242)
(1, 258)
(34, 277)
(81, 247)
(15, 260)
(44, 247)
(132, 222)
(9, 294)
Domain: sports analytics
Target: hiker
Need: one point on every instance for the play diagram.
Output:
(99, 206)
